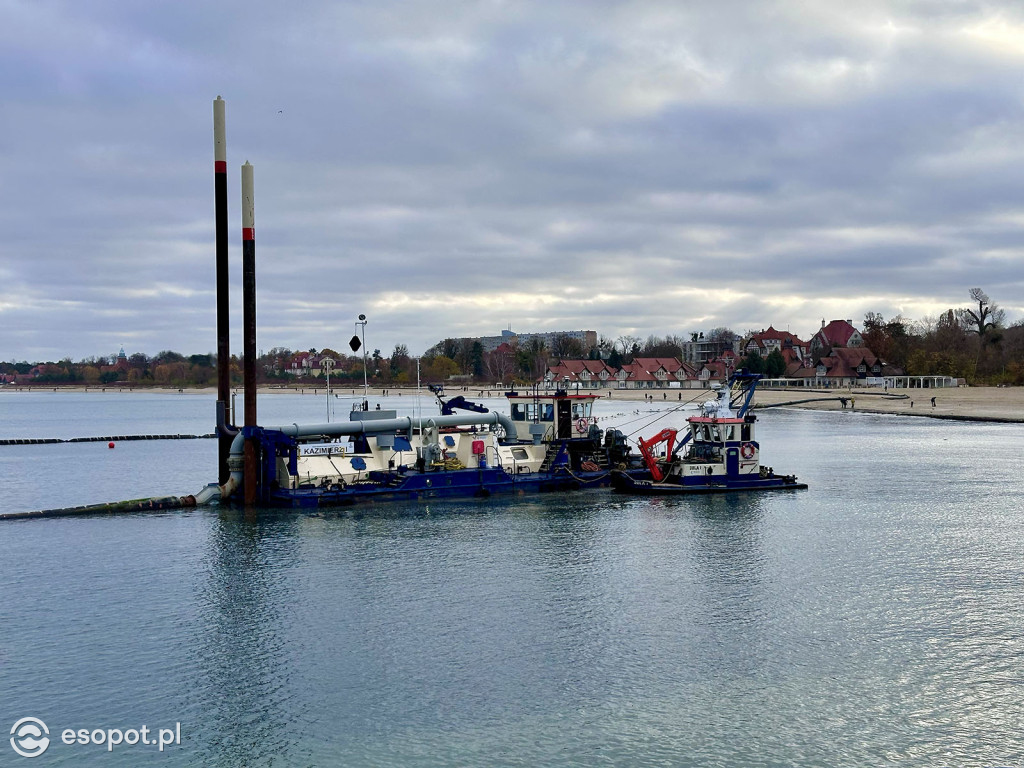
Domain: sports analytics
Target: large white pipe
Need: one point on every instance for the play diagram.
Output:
(370, 426)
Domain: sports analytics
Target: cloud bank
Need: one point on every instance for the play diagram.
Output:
(454, 168)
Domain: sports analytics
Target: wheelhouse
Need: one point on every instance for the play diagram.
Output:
(712, 438)
(545, 417)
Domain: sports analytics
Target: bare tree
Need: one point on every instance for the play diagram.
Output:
(988, 317)
(568, 347)
(501, 363)
(626, 343)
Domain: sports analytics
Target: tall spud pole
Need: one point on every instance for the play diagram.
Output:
(225, 431)
(249, 330)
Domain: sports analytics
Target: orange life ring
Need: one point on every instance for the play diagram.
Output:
(581, 425)
(747, 450)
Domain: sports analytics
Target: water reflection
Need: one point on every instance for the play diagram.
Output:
(719, 597)
(241, 652)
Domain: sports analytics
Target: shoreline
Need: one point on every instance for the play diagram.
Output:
(982, 404)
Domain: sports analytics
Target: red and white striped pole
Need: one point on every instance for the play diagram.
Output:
(249, 327)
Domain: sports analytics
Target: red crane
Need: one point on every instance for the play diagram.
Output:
(667, 436)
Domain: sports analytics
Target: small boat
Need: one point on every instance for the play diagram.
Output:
(549, 442)
(721, 453)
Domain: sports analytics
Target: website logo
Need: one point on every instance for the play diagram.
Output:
(30, 737)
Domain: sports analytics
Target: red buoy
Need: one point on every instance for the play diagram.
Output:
(110, 445)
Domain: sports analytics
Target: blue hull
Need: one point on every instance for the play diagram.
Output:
(640, 483)
(451, 484)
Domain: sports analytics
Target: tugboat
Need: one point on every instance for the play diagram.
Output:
(551, 442)
(722, 454)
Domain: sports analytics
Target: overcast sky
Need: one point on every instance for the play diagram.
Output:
(455, 168)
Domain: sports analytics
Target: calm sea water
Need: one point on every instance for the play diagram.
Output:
(872, 620)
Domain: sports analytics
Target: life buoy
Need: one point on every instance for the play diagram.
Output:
(747, 450)
(581, 425)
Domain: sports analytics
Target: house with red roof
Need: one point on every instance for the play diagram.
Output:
(592, 374)
(656, 373)
(790, 346)
(308, 364)
(715, 372)
(837, 334)
(848, 367)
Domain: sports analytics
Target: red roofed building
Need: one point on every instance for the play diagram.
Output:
(655, 373)
(586, 373)
(765, 342)
(715, 372)
(308, 364)
(847, 367)
(837, 334)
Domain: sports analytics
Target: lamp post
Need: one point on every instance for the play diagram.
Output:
(362, 322)
(327, 363)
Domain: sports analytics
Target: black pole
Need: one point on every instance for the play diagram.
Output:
(249, 329)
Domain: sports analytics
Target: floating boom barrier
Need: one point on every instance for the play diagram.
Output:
(109, 439)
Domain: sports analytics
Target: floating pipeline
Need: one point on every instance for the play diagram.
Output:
(108, 439)
(205, 496)
(837, 399)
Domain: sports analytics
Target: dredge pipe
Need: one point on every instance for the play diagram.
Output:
(236, 460)
(114, 507)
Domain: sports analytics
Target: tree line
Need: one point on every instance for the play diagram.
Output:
(973, 343)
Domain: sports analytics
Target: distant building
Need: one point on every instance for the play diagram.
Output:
(550, 338)
(656, 373)
(846, 367)
(642, 373)
(768, 341)
(715, 372)
(837, 334)
(699, 350)
(309, 364)
(592, 374)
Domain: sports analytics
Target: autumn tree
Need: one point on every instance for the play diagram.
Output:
(888, 339)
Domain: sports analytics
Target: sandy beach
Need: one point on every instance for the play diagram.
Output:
(1003, 404)
(962, 403)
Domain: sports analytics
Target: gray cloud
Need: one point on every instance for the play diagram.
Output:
(456, 168)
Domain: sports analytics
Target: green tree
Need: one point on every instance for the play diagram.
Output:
(774, 364)
(399, 361)
(477, 358)
(440, 369)
(753, 362)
